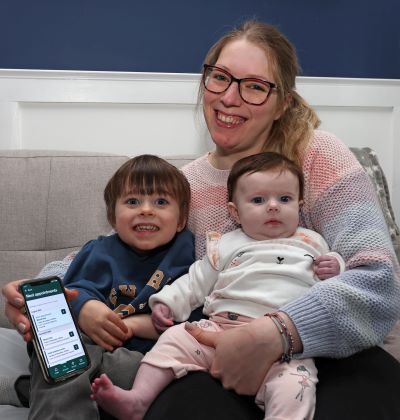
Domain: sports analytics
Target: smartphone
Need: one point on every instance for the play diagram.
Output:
(56, 337)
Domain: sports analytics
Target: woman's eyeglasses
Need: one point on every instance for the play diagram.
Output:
(252, 90)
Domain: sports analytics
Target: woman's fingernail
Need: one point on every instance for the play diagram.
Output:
(189, 326)
(18, 302)
(21, 327)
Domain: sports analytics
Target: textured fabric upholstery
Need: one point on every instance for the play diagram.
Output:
(50, 203)
(369, 160)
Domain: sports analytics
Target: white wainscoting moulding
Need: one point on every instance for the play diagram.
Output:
(133, 113)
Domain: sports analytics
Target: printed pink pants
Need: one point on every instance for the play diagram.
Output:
(288, 389)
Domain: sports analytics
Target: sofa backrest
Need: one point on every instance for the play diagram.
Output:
(51, 203)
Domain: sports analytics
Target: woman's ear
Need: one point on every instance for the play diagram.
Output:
(233, 212)
(283, 107)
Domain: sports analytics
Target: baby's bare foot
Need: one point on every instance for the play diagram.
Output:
(120, 403)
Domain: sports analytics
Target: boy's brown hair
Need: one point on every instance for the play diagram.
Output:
(261, 162)
(146, 175)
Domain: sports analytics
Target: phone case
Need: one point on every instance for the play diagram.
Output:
(39, 353)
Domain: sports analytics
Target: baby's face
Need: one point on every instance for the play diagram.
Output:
(145, 222)
(267, 204)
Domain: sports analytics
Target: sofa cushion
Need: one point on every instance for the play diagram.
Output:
(51, 202)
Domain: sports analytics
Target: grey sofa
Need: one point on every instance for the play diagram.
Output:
(51, 203)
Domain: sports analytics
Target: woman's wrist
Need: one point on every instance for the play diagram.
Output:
(297, 343)
(285, 336)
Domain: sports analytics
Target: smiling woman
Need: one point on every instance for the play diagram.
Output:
(334, 180)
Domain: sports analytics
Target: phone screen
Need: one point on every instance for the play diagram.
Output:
(58, 340)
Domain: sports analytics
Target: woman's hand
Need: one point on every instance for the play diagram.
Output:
(15, 304)
(161, 316)
(141, 326)
(243, 355)
(102, 325)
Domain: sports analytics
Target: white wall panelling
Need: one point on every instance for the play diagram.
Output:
(134, 113)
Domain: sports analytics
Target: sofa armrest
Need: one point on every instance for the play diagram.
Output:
(369, 161)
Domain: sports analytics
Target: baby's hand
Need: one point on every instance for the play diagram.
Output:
(141, 325)
(162, 317)
(326, 266)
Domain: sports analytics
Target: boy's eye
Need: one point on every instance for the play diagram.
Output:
(257, 200)
(161, 201)
(132, 201)
(285, 199)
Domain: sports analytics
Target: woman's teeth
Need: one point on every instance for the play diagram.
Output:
(229, 119)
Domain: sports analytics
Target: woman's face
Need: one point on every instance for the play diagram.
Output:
(234, 125)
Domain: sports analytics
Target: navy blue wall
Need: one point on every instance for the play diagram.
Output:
(342, 38)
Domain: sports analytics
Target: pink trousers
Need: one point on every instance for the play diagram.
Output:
(288, 389)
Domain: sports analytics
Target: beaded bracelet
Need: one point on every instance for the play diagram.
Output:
(286, 337)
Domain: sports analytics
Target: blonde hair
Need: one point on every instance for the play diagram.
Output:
(291, 133)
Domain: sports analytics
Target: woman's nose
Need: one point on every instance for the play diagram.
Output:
(231, 96)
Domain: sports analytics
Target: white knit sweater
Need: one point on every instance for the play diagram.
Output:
(246, 276)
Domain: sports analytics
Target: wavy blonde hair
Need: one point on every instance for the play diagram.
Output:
(291, 133)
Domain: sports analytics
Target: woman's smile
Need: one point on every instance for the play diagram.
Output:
(228, 121)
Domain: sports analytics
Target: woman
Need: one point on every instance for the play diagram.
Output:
(250, 105)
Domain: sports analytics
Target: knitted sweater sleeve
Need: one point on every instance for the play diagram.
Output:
(355, 310)
(57, 268)
(60, 267)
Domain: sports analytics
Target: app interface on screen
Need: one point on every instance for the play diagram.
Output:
(57, 334)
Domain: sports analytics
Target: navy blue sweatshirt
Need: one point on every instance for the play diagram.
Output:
(108, 270)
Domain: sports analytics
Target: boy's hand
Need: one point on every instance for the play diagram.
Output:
(162, 317)
(102, 325)
(326, 266)
(141, 326)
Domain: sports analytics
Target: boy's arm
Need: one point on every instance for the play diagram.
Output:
(141, 326)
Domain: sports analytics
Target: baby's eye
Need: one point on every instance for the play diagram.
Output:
(285, 199)
(132, 201)
(257, 200)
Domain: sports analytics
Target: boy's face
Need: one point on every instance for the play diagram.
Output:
(267, 204)
(145, 222)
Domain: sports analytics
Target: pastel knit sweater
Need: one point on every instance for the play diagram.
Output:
(346, 314)
(337, 317)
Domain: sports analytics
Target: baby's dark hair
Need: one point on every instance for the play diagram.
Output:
(146, 175)
(261, 162)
